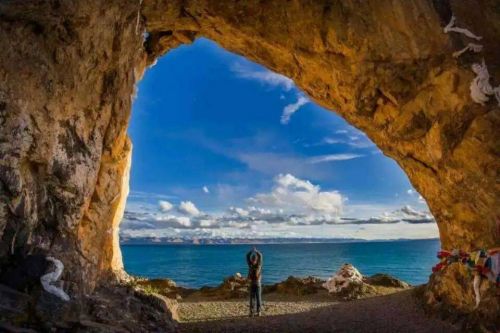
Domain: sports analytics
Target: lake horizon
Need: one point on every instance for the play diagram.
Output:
(197, 265)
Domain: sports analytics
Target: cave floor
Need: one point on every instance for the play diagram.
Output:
(398, 312)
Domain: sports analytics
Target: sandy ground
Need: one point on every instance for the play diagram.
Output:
(197, 308)
(397, 312)
(203, 311)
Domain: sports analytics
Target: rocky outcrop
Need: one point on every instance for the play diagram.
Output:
(450, 293)
(165, 287)
(385, 280)
(237, 287)
(348, 284)
(296, 286)
(116, 309)
(67, 74)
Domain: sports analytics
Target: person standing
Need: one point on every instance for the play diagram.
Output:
(255, 261)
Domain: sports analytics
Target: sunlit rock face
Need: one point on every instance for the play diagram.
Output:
(66, 79)
(67, 74)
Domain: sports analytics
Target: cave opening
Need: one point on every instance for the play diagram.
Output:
(227, 152)
(402, 74)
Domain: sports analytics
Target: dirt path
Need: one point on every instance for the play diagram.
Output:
(391, 313)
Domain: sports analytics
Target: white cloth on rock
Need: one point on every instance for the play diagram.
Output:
(346, 275)
(471, 46)
(451, 27)
(480, 87)
(49, 278)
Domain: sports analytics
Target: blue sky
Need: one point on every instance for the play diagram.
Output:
(212, 129)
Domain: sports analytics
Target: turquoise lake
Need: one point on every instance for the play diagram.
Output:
(207, 265)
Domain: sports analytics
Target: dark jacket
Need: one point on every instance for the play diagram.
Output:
(255, 270)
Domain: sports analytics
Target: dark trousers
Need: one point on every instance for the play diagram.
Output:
(255, 295)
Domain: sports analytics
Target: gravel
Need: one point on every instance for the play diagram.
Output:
(398, 312)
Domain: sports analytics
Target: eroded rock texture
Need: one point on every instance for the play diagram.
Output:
(67, 73)
(66, 79)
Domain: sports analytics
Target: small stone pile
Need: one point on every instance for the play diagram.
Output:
(348, 283)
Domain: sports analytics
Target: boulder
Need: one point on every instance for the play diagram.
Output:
(165, 287)
(343, 278)
(296, 286)
(385, 280)
(234, 286)
(454, 285)
(348, 283)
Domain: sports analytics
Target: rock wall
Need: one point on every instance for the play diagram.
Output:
(67, 73)
(68, 69)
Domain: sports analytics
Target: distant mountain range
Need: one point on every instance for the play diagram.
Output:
(203, 241)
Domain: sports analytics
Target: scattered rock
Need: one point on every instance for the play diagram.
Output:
(232, 287)
(296, 286)
(113, 309)
(13, 304)
(385, 280)
(165, 287)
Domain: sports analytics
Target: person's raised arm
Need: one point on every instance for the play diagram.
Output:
(260, 258)
(248, 257)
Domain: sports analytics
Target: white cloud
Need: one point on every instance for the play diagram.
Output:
(352, 137)
(274, 163)
(405, 214)
(408, 210)
(333, 157)
(298, 196)
(290, 109)
(400, 230)
(263, 76)
(165, 206)
(205, 189)
(413, 193)
(293, 207)
(174, 221)
(332, 141)
(421, 199)
(188, 208)
(240, 212)
(139, 195)
(272, 79)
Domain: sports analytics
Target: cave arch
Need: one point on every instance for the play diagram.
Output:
(398, 84)
(68, 71)
(161, 110)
